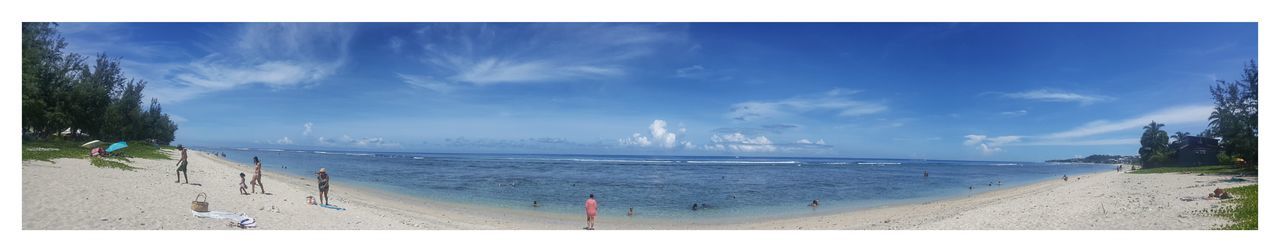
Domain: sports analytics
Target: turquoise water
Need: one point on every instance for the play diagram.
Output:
(660, 186)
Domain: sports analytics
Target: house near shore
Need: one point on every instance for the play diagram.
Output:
(1195, 151)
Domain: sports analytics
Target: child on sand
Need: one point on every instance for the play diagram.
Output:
(242, 186)
(322, 179)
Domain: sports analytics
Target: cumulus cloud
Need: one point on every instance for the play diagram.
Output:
(989, 145)
(838, 102)
(306, 129)
(284, 141)
(1048, 95)
(659, 136)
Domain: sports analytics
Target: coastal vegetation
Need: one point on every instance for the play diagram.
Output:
(1233, 124)
(1243, 209)
(48, 150)
(1235, 115)
(1098, 159)
(67, 96)
(1209, 170)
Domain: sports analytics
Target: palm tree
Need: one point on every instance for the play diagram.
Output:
(1155, 144)
(1178, 136)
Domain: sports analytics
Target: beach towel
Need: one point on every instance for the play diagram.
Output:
(242, 220)
(333, 207)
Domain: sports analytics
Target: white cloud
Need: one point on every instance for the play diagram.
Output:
(177, 119)
(492, 54)
(989, 145)
(1015, 113)
(738, 142)
(1057, 96)
(364, 142)
(690, 72)
(658, 136)
(426, 82)
(306, 129)
(1079, 136)
(1092, 142)
(836, 101)
(276, 55)
(284, 141)
(1173, 115)
(396, 44)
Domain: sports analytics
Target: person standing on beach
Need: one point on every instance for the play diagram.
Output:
(257, 177)
(322, 179)
(182, 166)
(591, 212)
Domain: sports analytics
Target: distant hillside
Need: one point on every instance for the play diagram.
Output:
(1099, 159)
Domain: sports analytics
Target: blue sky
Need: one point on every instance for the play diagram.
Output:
(973, 91)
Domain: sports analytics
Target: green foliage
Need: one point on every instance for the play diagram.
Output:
(144, 150)
(1243, 211)
(1235, 115)
(50, 150)
(60, 91)
(108, 163)
(1208, 169)
(1155, 146)
(55, 149)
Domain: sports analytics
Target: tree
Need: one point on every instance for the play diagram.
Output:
(47, 77)
(60, 90)
(1155, 145)
(1235, 115)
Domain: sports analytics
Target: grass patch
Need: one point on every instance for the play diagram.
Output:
(145, 150)
(107, 163)
(53, 149)
(1243, 209)
(1208, 169)
(50, 150)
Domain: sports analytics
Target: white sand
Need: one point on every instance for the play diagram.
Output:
(72, 194)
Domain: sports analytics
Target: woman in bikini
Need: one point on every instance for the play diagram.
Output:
(257, 177)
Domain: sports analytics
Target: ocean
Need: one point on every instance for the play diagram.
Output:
(664, 187)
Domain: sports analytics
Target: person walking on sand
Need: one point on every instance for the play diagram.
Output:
(257, 177)
(322, 179)
(182, 166)
(242, 186)
(591, 212)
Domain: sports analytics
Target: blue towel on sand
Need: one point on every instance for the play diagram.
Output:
(332, 207)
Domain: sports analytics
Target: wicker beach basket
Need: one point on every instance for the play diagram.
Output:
(199, 205)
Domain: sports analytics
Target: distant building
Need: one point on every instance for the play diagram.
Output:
(1195, 151)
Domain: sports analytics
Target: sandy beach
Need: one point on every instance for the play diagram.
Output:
(72, 194)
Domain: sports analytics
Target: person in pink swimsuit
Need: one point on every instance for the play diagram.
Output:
(591, 212)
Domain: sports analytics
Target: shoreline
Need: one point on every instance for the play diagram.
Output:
(1037, 205)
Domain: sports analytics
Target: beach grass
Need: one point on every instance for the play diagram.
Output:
(53, 149)
(1208, 169)
(107, 163)
(1243, 209)
(50, 150)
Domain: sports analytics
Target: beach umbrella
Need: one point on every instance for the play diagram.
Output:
(92, 144)
(117, 146)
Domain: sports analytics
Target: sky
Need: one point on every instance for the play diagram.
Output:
(962, 91)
